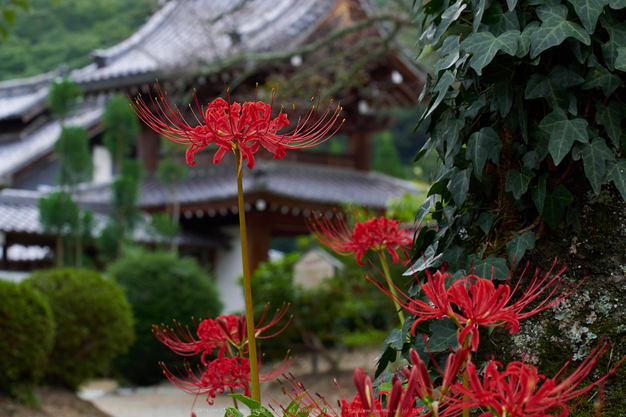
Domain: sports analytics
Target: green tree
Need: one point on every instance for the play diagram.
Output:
(58, 215)
(121, 128)
(387, 159)
(526, 111)
(64, 95)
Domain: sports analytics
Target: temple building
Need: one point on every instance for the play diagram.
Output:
(344, 49)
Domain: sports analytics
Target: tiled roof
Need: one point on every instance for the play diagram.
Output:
(184, 33)
(19, 213)
(19, 97)
(299, 182)
(17, 154)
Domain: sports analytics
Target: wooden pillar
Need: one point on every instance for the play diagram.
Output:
(259, 236)
(360, 148)
(148, 148)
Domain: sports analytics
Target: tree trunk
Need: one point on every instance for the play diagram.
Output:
(59, 251)
(594, 311)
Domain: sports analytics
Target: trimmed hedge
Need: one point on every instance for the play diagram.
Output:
(94, 323)
(161, 287)
(26, 337)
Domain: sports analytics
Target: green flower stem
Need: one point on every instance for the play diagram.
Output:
(383, 261)
(252, 353)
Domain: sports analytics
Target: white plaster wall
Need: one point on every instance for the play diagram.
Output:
(228, 268)
(102, 165)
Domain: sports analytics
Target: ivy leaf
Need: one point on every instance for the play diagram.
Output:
(552, 86)
(440, 89)
(454, 256)
(504, 95)
(554, 29)
(517, 247)
(511, 4)
(451, 14)
(485, 221)
(444, 335)
(530, 160)
(428, 259)
(601, 77)
(498, 21)
(484, 46)
(478, 8)
(538, 192)
(554, 206)
(481, 146)
(492, 267)
(448, 61)
(617, 39)
(517, 182)
(588, 12)
(255, 407)
(563, 132)
(395, 339)
(618, 175)
(459, 184)
(611, 118)
(526, 39)
(423, 211)
(572, 218)
(620, 59)
(595, 156)
(617, 4)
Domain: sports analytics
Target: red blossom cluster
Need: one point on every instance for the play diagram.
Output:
(377, 234)
(228, 369)
(473, 301)
(234, 126)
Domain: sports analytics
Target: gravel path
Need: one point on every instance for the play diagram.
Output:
(165, 400)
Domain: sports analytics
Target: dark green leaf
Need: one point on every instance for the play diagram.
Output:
(454, 256)
(517, 247)
(504, 95)
(440, 89)
(611, 118)
(451, 14)
(511, 4)
(617, 4)
(481, 146)
(595, 156)
(620, 59)
(500, 22)
(459, 184)
(484, 46)
(387, 356)
(617, 39)
(618, 176)
(552, 87)
(448, 61)
(428, 259)
(588, 12)
(492, 267)
(485, 221)
(255, 407)
(526, 38)
(517, 182)
(539, 193)
(530, 160)
(422, 212)
(449, 45)
(395, 339)
(554, 206)
(601, 77)
(563, 132)
(443, 337)
(554, 29)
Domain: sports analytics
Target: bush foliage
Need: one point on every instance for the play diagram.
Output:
(27, 337)
(94, 323)
(161, 287)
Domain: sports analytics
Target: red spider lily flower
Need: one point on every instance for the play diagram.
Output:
(224, 331)
(434, 396)
(482, 304)
(520, 391)
(377, 233)
(434, 289)
(221, 375)
(234, 126)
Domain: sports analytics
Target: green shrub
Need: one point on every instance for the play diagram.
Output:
(94, 323)
(26, 337)
(160, 287)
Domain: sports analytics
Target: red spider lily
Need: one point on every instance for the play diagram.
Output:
(221, 375)
(377, 233)
(224, 331)
(434, 288)
(482, 304)
(520, 391)
(233, 126)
